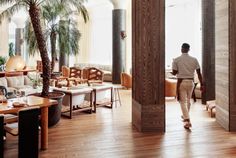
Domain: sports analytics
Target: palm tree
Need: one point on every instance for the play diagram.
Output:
(51, 13)
(33, 8)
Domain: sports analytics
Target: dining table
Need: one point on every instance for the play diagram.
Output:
(43, 103)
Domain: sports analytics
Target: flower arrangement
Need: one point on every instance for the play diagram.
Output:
(36, 80)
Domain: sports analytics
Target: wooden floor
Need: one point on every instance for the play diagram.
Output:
(109, 134)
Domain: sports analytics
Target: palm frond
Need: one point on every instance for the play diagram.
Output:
(74, 41)
(30, 38)
(9, 12)
(84, 13)
(69, 37)
(7, 2)
(79, 5)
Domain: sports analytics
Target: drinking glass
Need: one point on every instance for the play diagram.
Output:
(1, 99)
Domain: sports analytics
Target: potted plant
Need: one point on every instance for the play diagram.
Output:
(2, 63)
(36, 80)
(54, 30)
(33, 7)
(11, 49)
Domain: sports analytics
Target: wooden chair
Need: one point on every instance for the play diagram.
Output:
(76, 76)
(126, 80)
(27, 130)
(170, 87)
(39, 66)
(65, 71)
(94, 75)
(62, 80)
(75, 72)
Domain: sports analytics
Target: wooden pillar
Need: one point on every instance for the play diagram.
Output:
(208, 49)
(232, 64)
(222, 63)
(148, 65)
(225, 64)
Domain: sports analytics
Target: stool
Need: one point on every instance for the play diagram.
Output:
(117, 94)
(211, 105)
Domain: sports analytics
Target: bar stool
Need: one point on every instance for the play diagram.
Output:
(116, 89)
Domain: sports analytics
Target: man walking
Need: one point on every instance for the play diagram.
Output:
(184, 67)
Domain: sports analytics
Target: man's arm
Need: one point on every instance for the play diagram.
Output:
(200, 78)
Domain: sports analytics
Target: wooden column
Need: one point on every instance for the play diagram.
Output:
(222, 63)
(118, 44)
(148, 67)
(225, 64)
(208, 49)
(232, 64)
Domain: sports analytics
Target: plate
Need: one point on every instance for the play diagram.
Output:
(18, 104)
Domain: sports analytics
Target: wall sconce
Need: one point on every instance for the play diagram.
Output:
(123, 34)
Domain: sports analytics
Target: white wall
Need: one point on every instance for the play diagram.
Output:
(183, 25)
(96, 41)
(4, 38)
(100, 51)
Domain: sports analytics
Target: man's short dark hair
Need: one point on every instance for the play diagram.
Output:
(185, 46)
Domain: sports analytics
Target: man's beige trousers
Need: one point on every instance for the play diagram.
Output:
(185, 94)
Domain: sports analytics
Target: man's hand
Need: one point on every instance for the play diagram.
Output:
(174, 72)
(202, 88)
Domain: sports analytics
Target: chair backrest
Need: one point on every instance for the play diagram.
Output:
(126, 80)
(3, 91)
(1, 135)
(39, 66)
(65, 71)
(75, 72)
(95, 74)
(28, 132)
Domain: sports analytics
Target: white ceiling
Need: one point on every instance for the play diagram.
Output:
(178, 2)
(94, 3)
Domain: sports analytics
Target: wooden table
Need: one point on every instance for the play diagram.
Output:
(97, 88)
(72, 93)
(25, 72)
(43, 103)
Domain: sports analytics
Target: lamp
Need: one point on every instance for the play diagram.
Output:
(15, 63)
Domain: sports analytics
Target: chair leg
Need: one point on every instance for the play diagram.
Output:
(1, 136)
(28, 133)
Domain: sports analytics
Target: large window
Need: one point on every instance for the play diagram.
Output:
(183, 24)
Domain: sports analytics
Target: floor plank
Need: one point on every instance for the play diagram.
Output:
(109, 133)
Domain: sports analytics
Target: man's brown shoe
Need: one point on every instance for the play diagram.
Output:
(187, 125)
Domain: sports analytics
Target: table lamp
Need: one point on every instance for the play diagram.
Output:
(15, 63)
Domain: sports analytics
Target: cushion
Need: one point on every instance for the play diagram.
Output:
(3, 81)
(11, 89)
(23, 87)
(27, 81)
(107, 77)
(15, 81)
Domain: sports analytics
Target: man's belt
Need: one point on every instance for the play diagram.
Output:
(185, 79)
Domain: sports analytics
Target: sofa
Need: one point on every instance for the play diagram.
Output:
(106, 69)
(15, 83)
